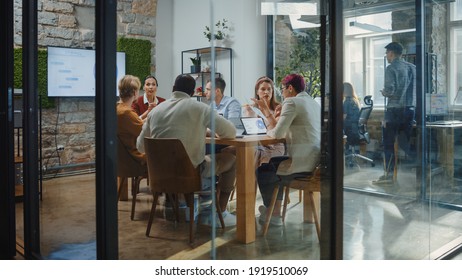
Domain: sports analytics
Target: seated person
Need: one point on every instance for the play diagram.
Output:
(129, 124)
(186, 119)
(264, 90)
(226, 106)
(300, 124)
(351, 107)
(145, 103)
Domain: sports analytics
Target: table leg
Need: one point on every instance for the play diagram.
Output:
(448, 154)
(124, 186)
(245, 194)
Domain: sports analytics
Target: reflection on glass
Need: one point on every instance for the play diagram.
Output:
(410, 208)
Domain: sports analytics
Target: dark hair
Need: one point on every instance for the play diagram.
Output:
(185, 83)
(296, 81)
(395, 47)
(150, 77)
(128, 85)
(221, 84)
(264, 79)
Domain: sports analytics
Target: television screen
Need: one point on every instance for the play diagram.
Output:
(71, 72)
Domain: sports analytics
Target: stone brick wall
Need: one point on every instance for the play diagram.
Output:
(71, 23)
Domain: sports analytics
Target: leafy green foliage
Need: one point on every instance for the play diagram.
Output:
(220, 30)
(304, 59)
(196, 61)
(42, 78)
(137, 56)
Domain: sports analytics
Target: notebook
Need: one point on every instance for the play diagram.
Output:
(253, 125)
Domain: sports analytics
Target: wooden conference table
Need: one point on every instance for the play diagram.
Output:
(445, 141)
(246, 181)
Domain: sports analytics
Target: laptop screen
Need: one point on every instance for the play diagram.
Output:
(253, 126)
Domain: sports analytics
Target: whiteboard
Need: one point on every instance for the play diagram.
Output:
(437, 104)
(71, 72)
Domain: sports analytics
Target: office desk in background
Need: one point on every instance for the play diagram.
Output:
(246, 181)
(445, 141)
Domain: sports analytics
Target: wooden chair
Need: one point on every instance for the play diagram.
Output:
(172, 172)
(127, 167)
(309, 185)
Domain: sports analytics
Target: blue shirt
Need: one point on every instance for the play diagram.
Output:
(229, 108)
(400, 84)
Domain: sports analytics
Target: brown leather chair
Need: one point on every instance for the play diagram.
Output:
(128, 167)
(308, 184)
(172, 172)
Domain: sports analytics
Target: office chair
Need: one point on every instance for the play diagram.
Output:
(363, 135)
(172, 172)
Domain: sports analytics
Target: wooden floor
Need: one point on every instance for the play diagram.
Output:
(68, 218)
(395, 226)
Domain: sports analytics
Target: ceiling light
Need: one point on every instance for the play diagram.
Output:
(297, 23)
(367, 26)
(384, 33)
(274, 8)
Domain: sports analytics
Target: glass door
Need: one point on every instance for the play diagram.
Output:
(7, 211)
(399, 163)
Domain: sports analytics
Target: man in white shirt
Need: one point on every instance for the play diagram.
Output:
(184, 118)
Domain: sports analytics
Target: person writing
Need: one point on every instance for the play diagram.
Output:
(145, 103)
(300, 124)
(264, 90)
(128, 123)
(400, 92)
(351, 107)
(186, 119)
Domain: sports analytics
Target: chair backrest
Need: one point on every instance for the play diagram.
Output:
(127, 166)
(364, 115)
(169, 167)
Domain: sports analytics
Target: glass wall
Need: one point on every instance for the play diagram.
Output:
(67, 85)
(410, 211)
(407, 207)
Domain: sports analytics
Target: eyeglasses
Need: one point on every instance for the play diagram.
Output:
(283, 87)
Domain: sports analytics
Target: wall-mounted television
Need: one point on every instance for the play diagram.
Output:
(71, 72)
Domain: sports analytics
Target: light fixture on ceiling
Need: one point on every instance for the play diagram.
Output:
(384, 33)
(277, 8)
(367, 26)
(301, 22)
(295, 12)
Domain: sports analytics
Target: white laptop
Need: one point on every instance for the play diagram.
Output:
(253, 126)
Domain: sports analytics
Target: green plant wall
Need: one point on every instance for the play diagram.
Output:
(41, 75)
(137, 56)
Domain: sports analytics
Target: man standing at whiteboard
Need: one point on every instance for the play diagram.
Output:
(400, 93)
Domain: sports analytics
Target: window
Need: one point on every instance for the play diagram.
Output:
(364, 53)
(455, 52)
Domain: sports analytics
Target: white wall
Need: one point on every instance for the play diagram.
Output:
(180, 26)
(164, 50)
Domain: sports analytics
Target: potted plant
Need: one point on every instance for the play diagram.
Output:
(196, 61)
(220, 30)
